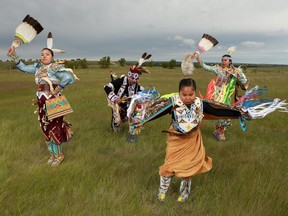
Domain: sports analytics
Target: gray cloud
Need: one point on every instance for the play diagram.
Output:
(252, 44)
(168, 29)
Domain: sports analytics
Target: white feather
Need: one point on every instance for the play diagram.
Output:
(49, 43)
(144, 58)
(58, 51)
(141, 61)
(231, 50)
(187, 65)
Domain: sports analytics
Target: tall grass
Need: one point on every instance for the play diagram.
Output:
(102, 174)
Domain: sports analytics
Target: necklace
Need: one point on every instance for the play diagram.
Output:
(43, 71)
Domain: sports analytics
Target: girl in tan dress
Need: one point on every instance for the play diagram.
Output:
(185, 152)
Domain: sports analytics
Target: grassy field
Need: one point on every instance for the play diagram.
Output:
(102, 174)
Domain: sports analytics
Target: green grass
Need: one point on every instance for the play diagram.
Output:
(102, 174)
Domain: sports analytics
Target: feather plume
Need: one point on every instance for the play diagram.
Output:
(143, 59)
(58, 51)
(187, 65)
(231, 50)
(49, 40)
(206, 43)
(26, 31)
(50, 44)
(144, 55)
(148, 56)
(143, 70)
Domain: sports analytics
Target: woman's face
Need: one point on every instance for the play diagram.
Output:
(187, 95)
(225, 62)
(46, 57)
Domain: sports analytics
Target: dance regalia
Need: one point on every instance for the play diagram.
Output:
(120, 88)
(185, 153)
(255, 104)
(124, 89)
(57, 130)
(222, 90)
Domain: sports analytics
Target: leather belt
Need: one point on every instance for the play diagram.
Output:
(45, 87)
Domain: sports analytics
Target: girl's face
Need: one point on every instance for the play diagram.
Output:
(187, 95)
(225, 62)
(46, 57)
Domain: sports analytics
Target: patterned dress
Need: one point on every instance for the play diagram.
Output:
(223, 88)
(57, 130)
(185, 152)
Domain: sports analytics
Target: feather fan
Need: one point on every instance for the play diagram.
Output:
(206, 43)
(26, 31)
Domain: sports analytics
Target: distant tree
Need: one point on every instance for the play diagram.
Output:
(244, 67)
(164, 64)
(83, 63)
(73, 64)
(78, 63)
(150, 63)
(105, 62)
(172, 64)
(122, 62)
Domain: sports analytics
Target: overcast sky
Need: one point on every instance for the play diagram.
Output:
(168, 29)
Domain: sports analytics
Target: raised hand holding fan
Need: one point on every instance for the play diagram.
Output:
(26, 31)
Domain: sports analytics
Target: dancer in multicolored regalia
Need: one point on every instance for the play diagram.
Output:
(185, 152)
(120, 90)
(222, 89)
(49, 74)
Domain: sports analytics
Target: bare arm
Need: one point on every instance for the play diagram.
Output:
(198, 58)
